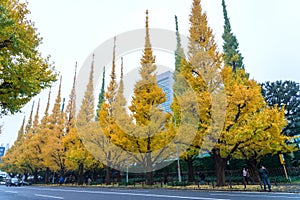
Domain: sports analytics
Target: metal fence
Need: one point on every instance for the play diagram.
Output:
(233, 177)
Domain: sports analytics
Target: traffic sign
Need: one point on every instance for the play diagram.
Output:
(2, 150)
(281, 158)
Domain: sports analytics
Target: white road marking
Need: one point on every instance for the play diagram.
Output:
(256, 195)
(14, 192)
(47, 196)
(128, 194)
(120, 190)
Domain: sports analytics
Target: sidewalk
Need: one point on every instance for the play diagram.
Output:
(282, 187)
(294, 188)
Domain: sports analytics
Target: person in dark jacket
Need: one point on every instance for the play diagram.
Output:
(61, 180)
(264, 176)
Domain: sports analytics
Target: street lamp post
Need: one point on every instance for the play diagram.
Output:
(177, 153)
(178, 164)
(127, 171)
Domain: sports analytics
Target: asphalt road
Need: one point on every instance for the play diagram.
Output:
(52, 193)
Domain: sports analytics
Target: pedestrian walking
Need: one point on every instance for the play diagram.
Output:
(61, 180)
(89, 181)
(245, 178)
(264, 176)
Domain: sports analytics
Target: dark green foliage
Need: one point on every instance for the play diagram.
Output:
(285, 94)
(271, 161)
(232, 56)
(179, 53)
(101, 95)
(204, 164)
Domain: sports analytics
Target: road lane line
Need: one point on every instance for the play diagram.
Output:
(127, 190)
(14, 192)
(253, 192)
(130, 194)
(48, 196)
(152, 195)
(256, 195)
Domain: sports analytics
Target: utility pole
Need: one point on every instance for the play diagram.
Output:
(178, 164)
(177, 152)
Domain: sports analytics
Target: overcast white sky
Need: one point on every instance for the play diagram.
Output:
(268, 33)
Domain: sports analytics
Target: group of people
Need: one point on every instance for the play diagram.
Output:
(263, 175)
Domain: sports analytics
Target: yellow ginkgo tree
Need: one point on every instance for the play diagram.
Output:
(250, 125)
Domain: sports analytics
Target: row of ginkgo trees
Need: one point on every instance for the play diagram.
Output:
(241, 125)
(51, 144)
(216, 109)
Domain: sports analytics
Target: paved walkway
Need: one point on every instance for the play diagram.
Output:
(282, 187)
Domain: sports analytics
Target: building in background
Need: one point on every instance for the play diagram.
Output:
(165, 81)
(3, 150)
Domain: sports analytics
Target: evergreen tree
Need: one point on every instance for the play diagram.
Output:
(101, 95)
(232, 56)
(178, 82)
(286, 95)
(179, 53)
